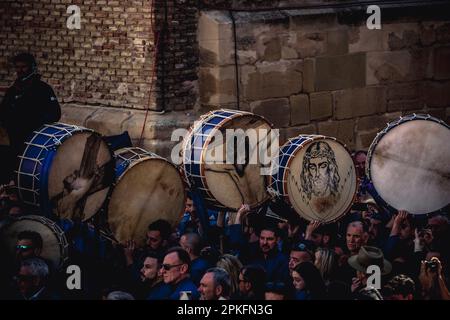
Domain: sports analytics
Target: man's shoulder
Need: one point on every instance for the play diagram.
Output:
(186, 284)
(200, 263)
(42, 86)
(159, 291)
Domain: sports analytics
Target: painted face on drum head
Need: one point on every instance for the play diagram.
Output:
(320, 175)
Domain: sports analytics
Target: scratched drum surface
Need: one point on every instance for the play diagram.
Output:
(409, 164)
(228, 174)
(148, 188)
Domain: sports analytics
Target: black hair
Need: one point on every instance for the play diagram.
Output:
(313, 280)
(151, 254)
(271, 227)
(254, 274)
(27, 58)
(183, 256)
(34, 236)
(162, 226)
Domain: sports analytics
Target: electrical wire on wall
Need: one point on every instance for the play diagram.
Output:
(158, 47)
(236, 65)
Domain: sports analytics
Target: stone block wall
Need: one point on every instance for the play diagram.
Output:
(323, 72)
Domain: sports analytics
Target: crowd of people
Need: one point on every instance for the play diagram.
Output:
(243, 255)
(215, 255)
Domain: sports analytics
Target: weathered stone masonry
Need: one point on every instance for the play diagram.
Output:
(307, 70)
(323, 71)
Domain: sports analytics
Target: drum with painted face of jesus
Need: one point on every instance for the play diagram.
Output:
(316, 176)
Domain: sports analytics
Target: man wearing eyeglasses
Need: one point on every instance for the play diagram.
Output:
(29, 245)
(175, 272)
(32, 280)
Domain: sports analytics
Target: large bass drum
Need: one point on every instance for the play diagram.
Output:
(228, 171)
(316, 176)
(65, 171)
(148, 188)
(409, 164)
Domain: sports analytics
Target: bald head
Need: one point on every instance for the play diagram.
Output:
(191, 242)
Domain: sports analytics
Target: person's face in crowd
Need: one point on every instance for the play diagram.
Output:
(360, 164)
(26, 249)
(150, 269)
(355, 238)
(22, 69)
(437, 226)
(154, 239)
(298, 282)
(190, 207)
(297, 257)
(406, 231)
(244, 286)
(317, 238)
(172, 269)
(26, 282)
(267, 240)
(207, 288)
(362, 277)
(374, 228)
(273, 296)
(183, 243)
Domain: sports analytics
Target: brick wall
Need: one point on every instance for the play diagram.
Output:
(325, 72)
(109, 61)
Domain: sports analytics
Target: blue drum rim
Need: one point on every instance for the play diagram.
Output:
(44, 204)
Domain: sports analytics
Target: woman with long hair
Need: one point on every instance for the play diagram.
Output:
(326, 262)
(232, 265)
(308, 282)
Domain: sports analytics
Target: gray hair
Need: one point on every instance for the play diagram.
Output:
(221, 278)
(119, 295)
(38, 267)
(356, 224)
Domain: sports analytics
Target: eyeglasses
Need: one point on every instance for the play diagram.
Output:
(167, 267)
(23, 247)
(152, 239)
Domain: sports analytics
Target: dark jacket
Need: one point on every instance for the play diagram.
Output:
(276, 264)
(184, 285)
(27, 105)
